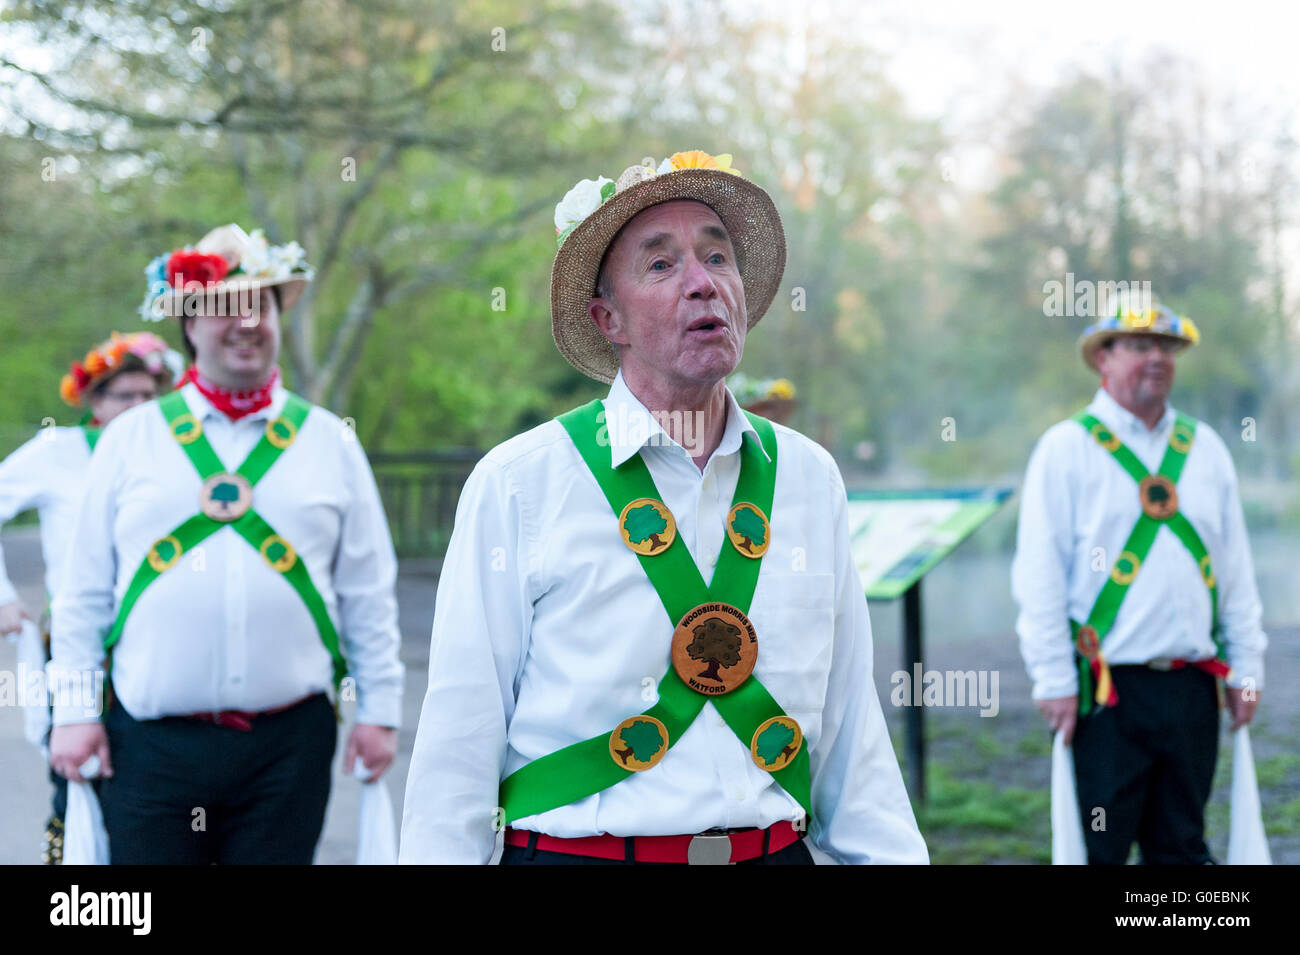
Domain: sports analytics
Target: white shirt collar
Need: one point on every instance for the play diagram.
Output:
(631, 426)
(1112, 412)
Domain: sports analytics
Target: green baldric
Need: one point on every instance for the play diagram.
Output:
(251, 526)
(1104, 610)
(90, 431)
(583, 769)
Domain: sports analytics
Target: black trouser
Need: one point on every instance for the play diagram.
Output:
(186, 792)
(795, 854)
(1148, 762)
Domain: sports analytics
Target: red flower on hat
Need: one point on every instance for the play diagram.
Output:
(190, 266)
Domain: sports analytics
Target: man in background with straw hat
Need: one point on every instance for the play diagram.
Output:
(48, 474)
(650, 642)
(1137, 590)
(233, 595)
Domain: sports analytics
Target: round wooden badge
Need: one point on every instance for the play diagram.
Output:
(226, 497)
(776, 742)
(164, 554)
(1087, 642)
(1180, 439)
(1123, 576)
(1159, 497)
(281, 432)
(278, 552)
(187, 429)
(638, 743)
(1207, 572)
(1105, 437)
(647, 526)
(748, 530)
(714, 648)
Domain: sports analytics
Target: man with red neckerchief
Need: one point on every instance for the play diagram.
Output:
(236, 566)
(48, 473)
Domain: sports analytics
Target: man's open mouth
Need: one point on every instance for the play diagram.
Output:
(707, 324)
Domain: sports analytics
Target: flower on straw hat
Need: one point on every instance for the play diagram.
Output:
(107, 357)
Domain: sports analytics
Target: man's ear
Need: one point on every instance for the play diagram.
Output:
(607, 319)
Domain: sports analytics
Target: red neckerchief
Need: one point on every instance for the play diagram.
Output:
(233, 404)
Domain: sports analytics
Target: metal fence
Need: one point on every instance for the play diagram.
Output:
(420, 490)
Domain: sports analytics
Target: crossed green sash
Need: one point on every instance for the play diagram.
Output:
(1142, 537)
(90, 431)
(586, 768)
(251, 526)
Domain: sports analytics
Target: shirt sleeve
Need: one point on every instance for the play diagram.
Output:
(861, 811)
(1239, 605)
(22, 486)
(365, 580)
(1040, 573)
(481, 620)
(83, 612)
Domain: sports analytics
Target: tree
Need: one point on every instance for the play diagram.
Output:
(645, 523)
(749, 525)
(641, 741)
(225, 493)
(717, 642)
(774, 743)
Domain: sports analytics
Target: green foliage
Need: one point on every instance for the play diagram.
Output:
(749, 525)
(643, 523)
(643, 738)
(772, 741)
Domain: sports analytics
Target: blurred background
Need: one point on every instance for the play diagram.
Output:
(938, 166)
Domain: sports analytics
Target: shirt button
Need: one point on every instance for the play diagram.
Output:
(738, 795)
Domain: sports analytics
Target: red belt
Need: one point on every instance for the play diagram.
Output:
(745, 845)
(241, 720)
(1211, 665)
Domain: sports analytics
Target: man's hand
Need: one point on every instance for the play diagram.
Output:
(376, 745)
(1061, 714)
(12, 616)
(73, 744)
(1241, 708)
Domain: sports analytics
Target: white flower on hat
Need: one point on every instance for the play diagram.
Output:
(285, 258)
(256, 259)
(581, 201)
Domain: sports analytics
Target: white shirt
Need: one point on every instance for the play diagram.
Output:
(47, 473)
(547, 632)
(221, 629)
(1077, 508)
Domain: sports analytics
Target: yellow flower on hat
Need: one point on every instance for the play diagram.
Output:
(1192, 331)
(1141, 319)
(699, 159)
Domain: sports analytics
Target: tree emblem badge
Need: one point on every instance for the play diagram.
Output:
(748, 530)
(226, 497)
(638, 743)
(1159, 497)
(714, 648)
(165, 553)
(281, 432)
(776, 743)
(186, 429)
(647, 526)
(278, 552)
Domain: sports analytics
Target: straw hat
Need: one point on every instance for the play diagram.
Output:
(227, 259)
(1156, 319)
(593, 211)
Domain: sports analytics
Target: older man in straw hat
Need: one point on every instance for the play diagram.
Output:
(236, 566)
(48, 473)
(1136, 591)
(650, 643)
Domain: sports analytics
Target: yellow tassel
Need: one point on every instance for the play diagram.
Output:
(1103, 682)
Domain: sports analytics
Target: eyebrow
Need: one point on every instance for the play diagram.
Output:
(660, 238)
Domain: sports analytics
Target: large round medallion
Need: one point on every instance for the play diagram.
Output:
(226, 497)
(714, 648)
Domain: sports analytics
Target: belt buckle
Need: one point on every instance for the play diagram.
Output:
(709, 848)
(1161, 663)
